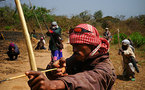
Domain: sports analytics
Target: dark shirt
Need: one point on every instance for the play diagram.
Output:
(96, 73)
(15, 47)
(54, 37)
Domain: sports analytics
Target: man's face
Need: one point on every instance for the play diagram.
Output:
(13, 49)
(81, 51)
(53, 26)
(124, 47)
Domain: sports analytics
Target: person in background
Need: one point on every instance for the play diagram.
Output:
(33, 34)
(55, 42)
(131, 45)
(129, 62)
(107, 34)
(68, 38)
(40, 44)
(89, 67)
(13, 51)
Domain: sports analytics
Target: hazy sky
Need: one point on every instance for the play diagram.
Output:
(73, 7)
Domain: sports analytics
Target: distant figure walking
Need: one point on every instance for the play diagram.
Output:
(33, 34)
(55, 43)
(13, 51)
(129, 62)
(107, 34)
(40, 44)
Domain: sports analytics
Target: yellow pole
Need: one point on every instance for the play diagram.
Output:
(2, 36)
(118, 39)
(27, 37)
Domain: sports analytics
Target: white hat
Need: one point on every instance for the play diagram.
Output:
(107, 28)
(54, 23)
(126, 42)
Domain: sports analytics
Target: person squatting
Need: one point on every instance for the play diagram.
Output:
(40, 44)
(13, 51)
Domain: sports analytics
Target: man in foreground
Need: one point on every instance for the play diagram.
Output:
(89, 68)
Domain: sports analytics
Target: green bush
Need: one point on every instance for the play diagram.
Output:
(7, 27)
(122, 36)
(137, 39)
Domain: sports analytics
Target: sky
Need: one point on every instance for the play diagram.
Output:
(73, 7)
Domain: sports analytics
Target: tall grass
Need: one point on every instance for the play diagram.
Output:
(122, 36)
(137, 39)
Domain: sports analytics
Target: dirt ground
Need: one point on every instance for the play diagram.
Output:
(13, 68)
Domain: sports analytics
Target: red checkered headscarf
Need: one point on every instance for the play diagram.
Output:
(91, 38)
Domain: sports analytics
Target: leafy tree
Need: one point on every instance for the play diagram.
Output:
(108, 21)
(98, 15)
(43, 13)
(85, 16)
(27, 12)
(120, 17)
(76, 20)
(6, 14)
(110, 18)
(141, 19)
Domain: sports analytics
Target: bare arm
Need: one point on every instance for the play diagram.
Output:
(37, 81)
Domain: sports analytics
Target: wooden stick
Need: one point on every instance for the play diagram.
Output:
(95, 50)
(118, 39)
(27, 36)
(2, 36)
(25, 75)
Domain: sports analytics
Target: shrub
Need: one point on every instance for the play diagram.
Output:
(137, 39)
(7, 27)
(122, 36)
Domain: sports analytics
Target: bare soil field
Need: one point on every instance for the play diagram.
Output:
(13, 68)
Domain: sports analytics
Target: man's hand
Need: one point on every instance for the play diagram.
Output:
(120, 51)
(60, 72)
(61, 65)
(37, 81)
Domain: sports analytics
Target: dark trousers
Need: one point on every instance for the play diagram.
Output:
(12, 55)
(37, 48)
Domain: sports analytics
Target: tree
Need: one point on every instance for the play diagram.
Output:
(108, 21)
(121, 17)
(85, 16)
(98, 15)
